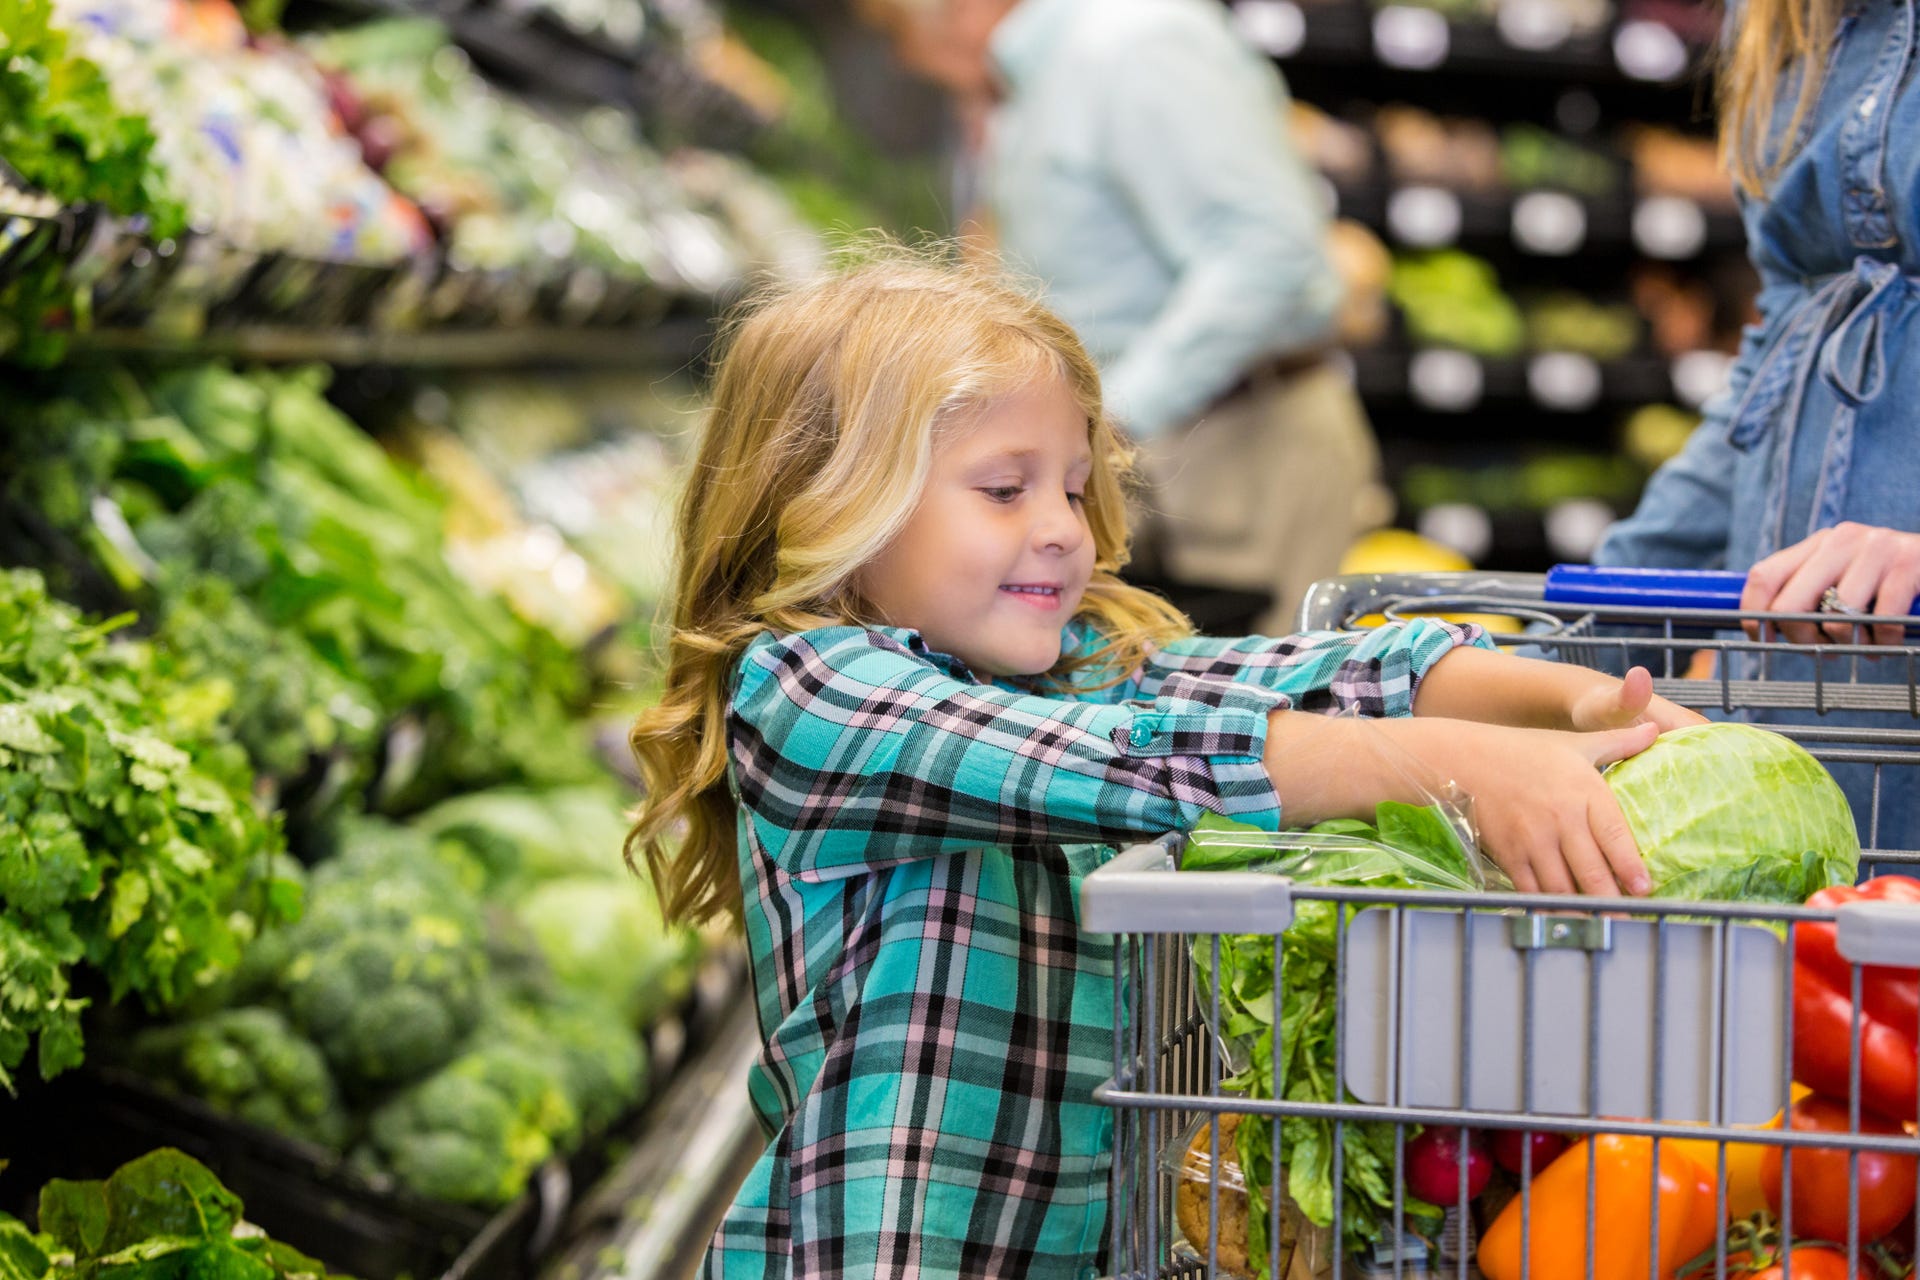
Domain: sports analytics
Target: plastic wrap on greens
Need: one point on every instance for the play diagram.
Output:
(1405, 847)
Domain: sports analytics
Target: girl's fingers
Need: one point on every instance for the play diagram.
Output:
(1523, 881)
(1588, 864)
(1604, 748)
(1614, 839)
(1636, 691)
(1550, 869)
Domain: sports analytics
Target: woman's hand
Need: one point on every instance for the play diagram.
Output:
(1619, 703)
(1873, 570)
(1545, 814)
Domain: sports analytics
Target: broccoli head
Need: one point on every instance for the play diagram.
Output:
(252, 1063)
(474, 1131)
(388, 1004)
(602, 1063)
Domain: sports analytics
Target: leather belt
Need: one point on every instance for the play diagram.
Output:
(1278, 368)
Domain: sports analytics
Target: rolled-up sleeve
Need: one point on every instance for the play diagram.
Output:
(851, 753)
(1375, 672)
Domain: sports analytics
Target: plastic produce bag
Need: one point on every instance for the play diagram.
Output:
(1429, 846)
(1304, 1251)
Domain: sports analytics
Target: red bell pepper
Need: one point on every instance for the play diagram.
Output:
(1889, 1013)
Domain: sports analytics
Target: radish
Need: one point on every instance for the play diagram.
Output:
(1507, 1145)
(1432, 1168)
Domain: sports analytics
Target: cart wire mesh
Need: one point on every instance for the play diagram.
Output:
(1623, 1024)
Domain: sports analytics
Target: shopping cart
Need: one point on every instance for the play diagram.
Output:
(1637, 1023)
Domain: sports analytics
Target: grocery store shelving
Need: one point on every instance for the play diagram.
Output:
(1540, 223)
(1443, 380)
(667, 343)
(536, 51)
(1635, 62)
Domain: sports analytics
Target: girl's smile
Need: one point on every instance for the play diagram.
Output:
(994, 560)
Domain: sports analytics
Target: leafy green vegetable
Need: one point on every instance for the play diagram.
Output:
(261, 531)
(61, 131)
(22, 1254)
(1406, 847)
(603, 937)
(164, 1215)
(1735, 813)
(133, 842)
(523, 835)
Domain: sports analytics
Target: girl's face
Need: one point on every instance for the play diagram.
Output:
(994, 560)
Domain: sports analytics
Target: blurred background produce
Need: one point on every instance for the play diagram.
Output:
(350, 354)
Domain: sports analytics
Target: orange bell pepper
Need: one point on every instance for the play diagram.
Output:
(1623, 1196)
(1744, 1196)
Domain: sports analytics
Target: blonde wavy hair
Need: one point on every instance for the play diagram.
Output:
(1769, 40)
(827, 405)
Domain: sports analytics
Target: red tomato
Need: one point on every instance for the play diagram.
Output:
(1810, 1262)
(1820, 1176)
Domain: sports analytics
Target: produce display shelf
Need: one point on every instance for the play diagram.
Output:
(652, 1215)
(1343, 34)
(539, 52)
(1540, 223)
(1447, 381)
(89, 1121)
(670, 342)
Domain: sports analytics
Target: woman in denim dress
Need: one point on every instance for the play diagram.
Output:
(1806, 471)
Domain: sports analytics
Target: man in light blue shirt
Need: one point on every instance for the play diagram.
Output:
(1137, 165)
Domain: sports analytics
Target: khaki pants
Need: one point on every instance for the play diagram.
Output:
(1263, 492)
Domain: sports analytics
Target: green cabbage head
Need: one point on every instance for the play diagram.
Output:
(1736, 813)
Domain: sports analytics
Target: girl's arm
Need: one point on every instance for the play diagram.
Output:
(1544, 813)
(1376, 672)
(1498, 688)
(851, 752)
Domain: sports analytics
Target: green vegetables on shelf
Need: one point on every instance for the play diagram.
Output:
(241, 510)
(133, 844)
(413, 1022)
(251, 1063)
(1454, 299)
(62, 133)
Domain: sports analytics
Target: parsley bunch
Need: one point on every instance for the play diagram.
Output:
(129, 846)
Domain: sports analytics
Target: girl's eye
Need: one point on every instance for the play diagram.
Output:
(1077, 499)
(1003, 492)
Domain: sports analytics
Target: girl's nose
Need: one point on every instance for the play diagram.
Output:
(1060, 528)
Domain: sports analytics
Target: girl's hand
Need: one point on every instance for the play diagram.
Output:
(1545, 814)
(1616, 704)
(1872, 570)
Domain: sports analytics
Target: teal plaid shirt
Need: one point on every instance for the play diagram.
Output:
(912, 842)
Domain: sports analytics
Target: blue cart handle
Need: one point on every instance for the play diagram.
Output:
(1649, 588)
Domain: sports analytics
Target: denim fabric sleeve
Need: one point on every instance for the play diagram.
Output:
(1195, 143)
(1684, 516)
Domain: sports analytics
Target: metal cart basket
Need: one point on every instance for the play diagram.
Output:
(1627, 1025)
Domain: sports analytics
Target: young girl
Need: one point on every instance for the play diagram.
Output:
(910, 705)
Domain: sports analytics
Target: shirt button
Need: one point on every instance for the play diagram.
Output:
(1142, 734)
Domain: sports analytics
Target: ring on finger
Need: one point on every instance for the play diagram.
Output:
(1830, 602)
